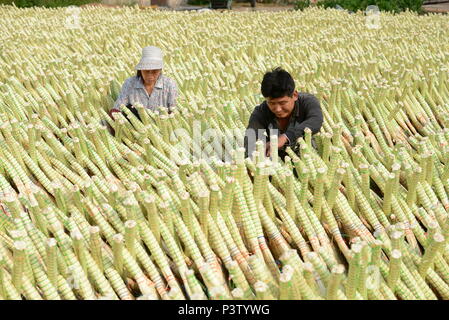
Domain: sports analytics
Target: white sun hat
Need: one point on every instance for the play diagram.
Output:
(151, 59)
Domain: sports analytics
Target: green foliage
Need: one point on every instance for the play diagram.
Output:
(46, 3)
(384, 5)
(302, 4)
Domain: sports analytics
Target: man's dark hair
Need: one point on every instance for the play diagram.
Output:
(139, 74)
(277, 83)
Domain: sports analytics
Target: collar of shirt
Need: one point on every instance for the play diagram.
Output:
(158, 83)
(273, 124)
(295, 111)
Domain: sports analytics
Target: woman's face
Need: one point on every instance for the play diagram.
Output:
(150, 76)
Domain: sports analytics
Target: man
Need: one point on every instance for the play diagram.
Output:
(285, 112)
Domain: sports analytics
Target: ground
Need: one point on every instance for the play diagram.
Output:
(438, 8)
(235, 6)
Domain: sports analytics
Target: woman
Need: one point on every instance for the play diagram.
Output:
(149, 87)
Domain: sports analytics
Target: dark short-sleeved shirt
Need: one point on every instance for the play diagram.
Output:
(306, 113)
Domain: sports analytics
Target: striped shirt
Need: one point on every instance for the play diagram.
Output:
(133, 91)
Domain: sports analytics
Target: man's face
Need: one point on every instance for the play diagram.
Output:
(150, 76)
(282, 107)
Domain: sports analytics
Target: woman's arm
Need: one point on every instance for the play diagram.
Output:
(123, 97)
(172, 96)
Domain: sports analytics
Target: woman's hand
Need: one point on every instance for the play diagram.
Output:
(111, 113)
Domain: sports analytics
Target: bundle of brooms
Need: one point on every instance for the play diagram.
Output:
(141, 215)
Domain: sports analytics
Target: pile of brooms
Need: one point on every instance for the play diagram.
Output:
(138, 214)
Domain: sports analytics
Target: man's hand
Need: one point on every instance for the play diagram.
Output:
(282, 140)
(267, 150)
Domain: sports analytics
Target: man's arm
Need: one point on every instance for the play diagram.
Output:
(257, 124)
(313, 120)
